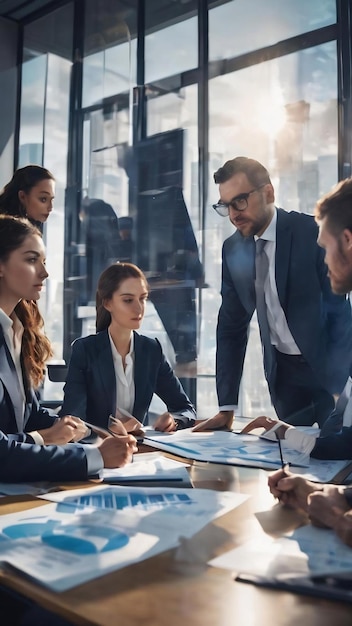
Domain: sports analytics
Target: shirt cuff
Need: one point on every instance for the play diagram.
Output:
(185, 417)
(95, 463)
(229, 407)
(303, 442)
(37, 438)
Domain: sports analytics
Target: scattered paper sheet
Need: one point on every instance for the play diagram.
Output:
(86, 533)
(151, 466)
(236, 449)
(307, 551)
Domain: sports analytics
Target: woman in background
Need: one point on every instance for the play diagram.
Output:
(118, 368)
(30, 193)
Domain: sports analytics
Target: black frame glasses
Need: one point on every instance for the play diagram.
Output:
(239, 203)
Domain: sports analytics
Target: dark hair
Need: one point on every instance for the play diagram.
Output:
(24, 179)
(255, 171)
(36, 348)
(336, 207)
(109, 282)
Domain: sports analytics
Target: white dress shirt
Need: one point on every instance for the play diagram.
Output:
(280, 334)
(13, 332)
(125, 389)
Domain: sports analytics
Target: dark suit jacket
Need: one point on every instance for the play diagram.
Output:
(90, 389)
(19, 461)
(35, 418)
(320, 322)
(334, 446)
(24, 462)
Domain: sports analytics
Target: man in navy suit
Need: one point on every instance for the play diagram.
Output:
(305, 329)
(334, 216)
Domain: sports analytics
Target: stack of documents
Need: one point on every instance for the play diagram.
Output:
(150, 469)
(83, 534)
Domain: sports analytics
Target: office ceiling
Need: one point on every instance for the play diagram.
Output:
(22, 10)
(19, 10)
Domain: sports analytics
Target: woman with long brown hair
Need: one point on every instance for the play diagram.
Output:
(119, 369)
(24, 350)
(23, 344)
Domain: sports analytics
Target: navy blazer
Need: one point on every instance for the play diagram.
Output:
(24, 462)
(90, 389)
(19, 461)
(35, 418)
(334, 446)
(319, 321)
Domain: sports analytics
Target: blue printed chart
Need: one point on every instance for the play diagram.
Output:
(229, 448)
(86, 533)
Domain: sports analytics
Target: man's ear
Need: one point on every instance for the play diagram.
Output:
(347, 238)
(269, 193)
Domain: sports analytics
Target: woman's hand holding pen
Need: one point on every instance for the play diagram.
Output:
(66, 429)
(123, 423)
(165, 423)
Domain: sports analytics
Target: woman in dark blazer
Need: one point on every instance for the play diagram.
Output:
(119, 369)
(25, 428)
(24, 349)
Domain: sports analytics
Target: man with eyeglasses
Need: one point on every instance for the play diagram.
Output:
(305, 329)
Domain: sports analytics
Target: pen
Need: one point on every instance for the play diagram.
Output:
(284, 465)
(143, 480)
(104, 432)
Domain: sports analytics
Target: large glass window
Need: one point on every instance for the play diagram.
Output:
(240, 26)
(283, 113)
(138, 166)
(46, 73)
(103, 193)
(167, 198)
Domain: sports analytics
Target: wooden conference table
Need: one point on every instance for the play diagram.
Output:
(177, 587)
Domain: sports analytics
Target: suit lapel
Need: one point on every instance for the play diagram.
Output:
(9, 377)
(140, 378)
(282, 255)
(106, 370)
(240, 258)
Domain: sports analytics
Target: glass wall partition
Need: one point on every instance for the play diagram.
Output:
(167, 199)
(43, 140)
(282, 112)
(104, 135)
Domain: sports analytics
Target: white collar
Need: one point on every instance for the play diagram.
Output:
(270, 232)
(114, 349)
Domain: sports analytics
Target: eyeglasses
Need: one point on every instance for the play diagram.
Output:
(239, 203)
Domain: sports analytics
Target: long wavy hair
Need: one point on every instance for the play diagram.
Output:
(109, 282)
(24, 179)
(36, 347)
